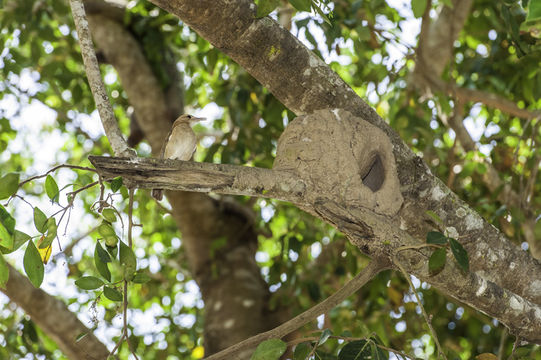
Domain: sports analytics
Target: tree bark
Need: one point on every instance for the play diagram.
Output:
(54, 318)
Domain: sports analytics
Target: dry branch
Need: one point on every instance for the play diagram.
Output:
(114, 135)
(202, 177)
(54, 318)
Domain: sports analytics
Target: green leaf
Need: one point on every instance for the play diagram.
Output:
(301, 351)
(101, 258)
(6, 240)
(418, 7)
(322, 14)
(4, 272)
(324, 336)
(116, 184)
(40, 220)
(109, 215)
(127, 260)
(270, 349)
(301, 5)
(29, 332)
(51, 188)
(436, 263)
(378, 353)
(355, 350)
(9, 185)
(435, 237)
(140, 278)
(112, 250)
(106, 230)
(108, 233)
(265, 7)
(88, 282)
(461, 255)
(81, 336)
(33, 265)
(112, 294)
(7, 229)
(313, 290)
(7, 220)
(434, 216)
(19, 238)
(534, 11)
(51, 233)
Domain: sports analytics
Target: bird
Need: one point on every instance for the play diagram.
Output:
(179, 144)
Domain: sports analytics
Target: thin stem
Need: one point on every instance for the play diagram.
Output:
(56, 168)
(515, 345)
(425, 315)
(130, 217)
(83, 188)
(501, 347)
(130, 244)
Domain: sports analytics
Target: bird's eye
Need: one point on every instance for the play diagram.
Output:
(189, 116)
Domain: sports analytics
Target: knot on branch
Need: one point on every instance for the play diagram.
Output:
(343, 158)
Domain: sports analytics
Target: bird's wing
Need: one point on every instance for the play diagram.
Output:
(164, 145)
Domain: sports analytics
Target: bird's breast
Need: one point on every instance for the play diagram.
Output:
(181, 144)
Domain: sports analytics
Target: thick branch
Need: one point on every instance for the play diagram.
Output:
(521, 315)
(144, 92)
(493, 101)
(101, 98)
(437, 36)
(202, 177)
(54, 318)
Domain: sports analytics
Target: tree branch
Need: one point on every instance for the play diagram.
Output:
(110, 125)
(202, 177)
(492, 100)
(367, 274)
(54, 318)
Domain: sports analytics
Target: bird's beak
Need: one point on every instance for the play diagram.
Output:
(197, 119)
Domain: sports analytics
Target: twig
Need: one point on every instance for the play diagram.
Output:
(501, 347)
(83, 188)
(371, 270)
(67, 251)
(428, 319)
(493, 101)
(130, 244)
(56, 168)
(515, 345)
(110, 125)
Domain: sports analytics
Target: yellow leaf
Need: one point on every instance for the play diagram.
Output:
(395, 296)
(198, 352)
(486, 356)
(253, 97)
(45, 253)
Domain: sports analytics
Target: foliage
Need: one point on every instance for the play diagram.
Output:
(302, 259)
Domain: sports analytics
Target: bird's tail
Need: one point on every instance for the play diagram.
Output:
(157, 194)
